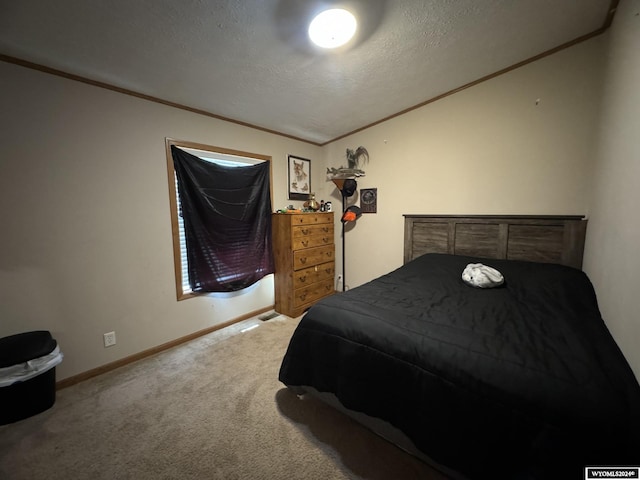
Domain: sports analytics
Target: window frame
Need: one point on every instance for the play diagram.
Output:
(173, 199)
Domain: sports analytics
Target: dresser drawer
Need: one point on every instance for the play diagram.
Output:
(307, 276)
(311, 219)
(302, 231)
(312, 292)
(312, 256)
(312, 241)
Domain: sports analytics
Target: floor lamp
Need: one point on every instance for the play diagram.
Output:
(347, 187)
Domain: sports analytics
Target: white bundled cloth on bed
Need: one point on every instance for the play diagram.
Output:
(481, 276)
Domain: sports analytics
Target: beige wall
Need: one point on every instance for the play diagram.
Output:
(86, 232)
(87, 244)
(489, 149)
(612, 256)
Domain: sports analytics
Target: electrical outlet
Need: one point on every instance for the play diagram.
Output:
(109, 339)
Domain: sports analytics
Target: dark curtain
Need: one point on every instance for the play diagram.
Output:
(227, 222)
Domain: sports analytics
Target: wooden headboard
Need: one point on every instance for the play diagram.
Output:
(548, 238)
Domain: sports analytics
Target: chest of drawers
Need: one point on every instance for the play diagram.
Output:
(304, 254)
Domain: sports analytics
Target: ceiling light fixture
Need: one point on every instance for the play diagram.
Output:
(332, 28)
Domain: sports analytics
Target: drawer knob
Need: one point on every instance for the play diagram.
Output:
(305, 243)
(303, 297)
(303, 260)
(325, 229)
(325, 239)
(303, 279)
(305, 231)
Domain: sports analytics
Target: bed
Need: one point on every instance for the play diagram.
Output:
(519, 381)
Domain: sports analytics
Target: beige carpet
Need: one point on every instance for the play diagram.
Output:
(209, 409)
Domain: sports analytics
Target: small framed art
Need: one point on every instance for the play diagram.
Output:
(299, 178)
(369, 200)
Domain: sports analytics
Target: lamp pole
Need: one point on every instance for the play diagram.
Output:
(344, 209)
(339, 182)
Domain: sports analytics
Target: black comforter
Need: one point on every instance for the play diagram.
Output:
(520, 381)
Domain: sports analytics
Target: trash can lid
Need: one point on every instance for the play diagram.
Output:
(26, 346)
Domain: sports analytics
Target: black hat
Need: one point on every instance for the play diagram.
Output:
(349, 187)
(351, 214)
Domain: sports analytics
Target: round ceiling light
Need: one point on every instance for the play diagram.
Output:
(332, 28)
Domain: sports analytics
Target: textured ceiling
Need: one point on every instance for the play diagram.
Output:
(250, 61)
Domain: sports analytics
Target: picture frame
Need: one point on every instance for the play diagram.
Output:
(299, 178)
(369, 200)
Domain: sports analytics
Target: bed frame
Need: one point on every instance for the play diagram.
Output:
(547, 238)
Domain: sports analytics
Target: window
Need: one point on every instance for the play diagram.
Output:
(220, 156)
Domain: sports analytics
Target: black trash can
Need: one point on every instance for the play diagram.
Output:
(27, 374)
